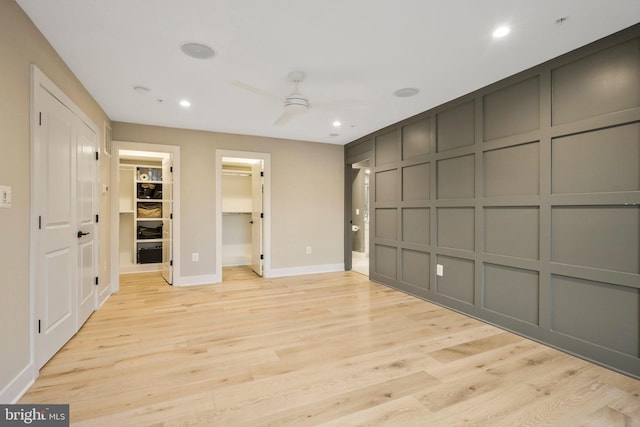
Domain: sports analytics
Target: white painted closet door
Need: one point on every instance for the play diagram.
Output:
(167, 219)
(57, 253)
(87, 146)
(256, 217)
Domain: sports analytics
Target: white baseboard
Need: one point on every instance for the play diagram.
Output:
(308, 269)
(18, 386)
(207, 279)
(235, 261)
(104, 296)
(140, 268)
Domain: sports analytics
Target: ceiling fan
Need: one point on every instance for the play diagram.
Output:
(293, 104)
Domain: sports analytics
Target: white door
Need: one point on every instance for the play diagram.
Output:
(55, 296)
(86, 202)
(257, 190)
(167, 219)
(64, 177)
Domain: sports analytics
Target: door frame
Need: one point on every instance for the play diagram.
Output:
(266, 231)
(174, 150)
(40, 80)
(348, 204)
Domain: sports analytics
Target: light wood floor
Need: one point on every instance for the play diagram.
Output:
(331, 349)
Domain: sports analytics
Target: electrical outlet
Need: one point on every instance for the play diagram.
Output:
(439, 270)
(308, 250)
(195, 257)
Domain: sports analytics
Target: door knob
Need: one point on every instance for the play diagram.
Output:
(250, 222)
(80, 234)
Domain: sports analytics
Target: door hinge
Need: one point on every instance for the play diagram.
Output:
(261, 173)
(39, 222)
(97, 218)
(97, 280)
(171, 169)
(40, 118)
(171, 262)
(261, 214)
(170, 216)
(261, 256)
(97, 155)
(39, 325)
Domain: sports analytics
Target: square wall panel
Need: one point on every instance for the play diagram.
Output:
(512, 231)
(387, 148)
(415, 225)
(600, 313)
(512, 171)
(456, 127)
(606, 237)
(416, 139)
(415, 268)
(604, 160)
(456, 228)
(416, 182)
(456, 177)
(512, 292)
(512, 110)
(386, 186)
(598, 84)
(386, 224)
(386, 261)
(457, 281)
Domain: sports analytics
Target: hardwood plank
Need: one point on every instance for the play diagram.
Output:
(330, 348)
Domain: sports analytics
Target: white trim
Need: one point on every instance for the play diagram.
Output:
(207, 279)
(115, 205)
(266, 157)
(309, 269)
(108, 141)
(18, 386)
(235, 261)
(141, 268)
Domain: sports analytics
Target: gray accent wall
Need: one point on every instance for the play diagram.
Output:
(527, 193)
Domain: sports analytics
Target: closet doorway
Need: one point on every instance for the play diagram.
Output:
(243, 214)
(147, 200)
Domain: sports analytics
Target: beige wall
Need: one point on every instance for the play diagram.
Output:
(21, 44)
(306, 200)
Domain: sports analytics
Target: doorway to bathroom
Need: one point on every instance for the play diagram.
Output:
(360, 216)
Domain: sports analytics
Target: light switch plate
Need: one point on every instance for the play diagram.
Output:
(439, 270)
(5, 196)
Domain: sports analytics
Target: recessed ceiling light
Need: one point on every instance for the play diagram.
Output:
(184, 103)
(337, 123)
(501, 32)
(406, 92)
(197, 50)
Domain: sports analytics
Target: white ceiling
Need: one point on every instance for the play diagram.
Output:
(355, 54)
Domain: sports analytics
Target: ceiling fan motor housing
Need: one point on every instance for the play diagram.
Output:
(296, 101)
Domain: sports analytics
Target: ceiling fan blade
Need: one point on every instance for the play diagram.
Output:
(257, 91)
(288, 114)
(284, 118)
